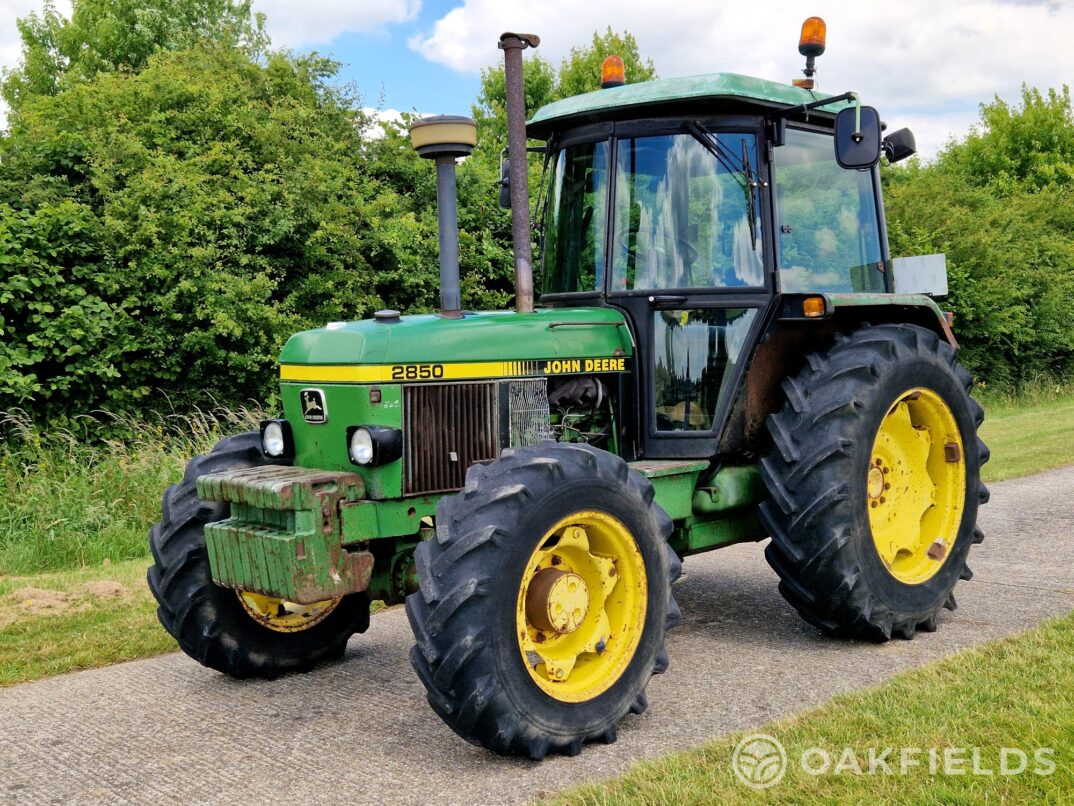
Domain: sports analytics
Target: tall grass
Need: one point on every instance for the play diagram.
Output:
(1038, 393)
(68, 501)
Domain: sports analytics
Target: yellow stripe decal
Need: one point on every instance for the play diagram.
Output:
(387, 373)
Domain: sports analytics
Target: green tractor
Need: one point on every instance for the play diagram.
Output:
(723, 351)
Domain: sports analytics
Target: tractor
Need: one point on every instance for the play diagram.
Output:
(723, 350)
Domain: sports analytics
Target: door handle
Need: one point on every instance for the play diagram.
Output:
(667, 300)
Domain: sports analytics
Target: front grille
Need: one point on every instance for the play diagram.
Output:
(446, 428)
(527, 411)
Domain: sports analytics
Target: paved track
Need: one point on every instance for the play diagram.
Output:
(166, 730)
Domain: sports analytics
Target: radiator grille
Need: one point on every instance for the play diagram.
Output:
(446, 428)
(528, 414)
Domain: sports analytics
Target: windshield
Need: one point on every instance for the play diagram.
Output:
(573, 250)
(686, 214)
(684, 217)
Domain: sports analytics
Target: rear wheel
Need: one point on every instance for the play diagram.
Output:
(544, 600)
(236, 632)
(874, 482)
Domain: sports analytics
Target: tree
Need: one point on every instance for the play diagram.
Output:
(165, 231)
(1028, 146)
(104, 36)
(168, 229)
(999, 204)
(173, 208)
(578, 73)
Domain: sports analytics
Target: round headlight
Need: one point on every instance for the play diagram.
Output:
(272, 440)
(361, 447)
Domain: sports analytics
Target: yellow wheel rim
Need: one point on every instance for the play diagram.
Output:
(283, 616)
(581, 606)
(916, 486)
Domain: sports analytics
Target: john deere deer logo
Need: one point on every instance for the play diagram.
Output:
(313, 408)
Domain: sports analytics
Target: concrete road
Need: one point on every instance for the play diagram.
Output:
(166, 730)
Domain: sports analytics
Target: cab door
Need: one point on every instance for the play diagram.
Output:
(688, 262)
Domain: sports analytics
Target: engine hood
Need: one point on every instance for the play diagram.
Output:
(375, 348)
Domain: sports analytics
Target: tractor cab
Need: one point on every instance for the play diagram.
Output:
(704, 208)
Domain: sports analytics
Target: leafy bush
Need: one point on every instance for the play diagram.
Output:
(165, 231)
(1000, 205)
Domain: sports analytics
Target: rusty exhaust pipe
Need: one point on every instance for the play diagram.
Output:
(512, 46)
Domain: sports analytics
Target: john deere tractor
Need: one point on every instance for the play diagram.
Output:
(723, 351)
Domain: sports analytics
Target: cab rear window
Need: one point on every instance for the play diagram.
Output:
(827, 229)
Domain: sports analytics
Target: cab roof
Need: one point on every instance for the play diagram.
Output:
(670, 95)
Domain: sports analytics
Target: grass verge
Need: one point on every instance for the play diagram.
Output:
(1029, 432)
(69, 620)
(1015, 693)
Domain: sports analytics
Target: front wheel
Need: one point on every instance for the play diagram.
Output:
(874, 480)
(239, 633)
(544, 600)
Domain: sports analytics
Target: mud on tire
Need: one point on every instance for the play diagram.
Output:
(207, 620)
(822, 546)
(464, 617)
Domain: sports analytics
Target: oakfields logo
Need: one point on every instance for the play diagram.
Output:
(760, 761)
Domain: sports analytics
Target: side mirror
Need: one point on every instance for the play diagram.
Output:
(857, 142)
(899, 145)
(505, 183)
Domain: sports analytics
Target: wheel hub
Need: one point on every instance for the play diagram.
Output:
(557, 601)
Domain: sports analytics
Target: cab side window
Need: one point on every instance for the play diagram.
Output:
(828, 236)
(682, 215)
(694, 354)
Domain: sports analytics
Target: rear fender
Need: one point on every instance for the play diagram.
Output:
(792, 336)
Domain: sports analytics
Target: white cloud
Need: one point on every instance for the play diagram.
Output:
(921, 61)
(301, 24)
(378, 116)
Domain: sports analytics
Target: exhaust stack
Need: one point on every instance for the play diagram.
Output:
(512, 46)
(445, 138)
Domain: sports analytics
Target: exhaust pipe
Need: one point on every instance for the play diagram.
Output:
(445, 138)
(512, 46)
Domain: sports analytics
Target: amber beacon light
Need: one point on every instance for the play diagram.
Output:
(811, 45)
(811, 42)
(612, 72)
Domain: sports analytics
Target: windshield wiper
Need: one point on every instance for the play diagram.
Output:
(541, 207)
(743, 172)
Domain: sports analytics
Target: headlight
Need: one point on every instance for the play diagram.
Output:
(374, 445)
(361, 447)
(276, 439)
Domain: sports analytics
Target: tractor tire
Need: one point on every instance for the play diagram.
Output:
(874, 483)
(219, 627)
(542, 529)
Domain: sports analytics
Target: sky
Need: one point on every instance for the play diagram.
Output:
(926, 64)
